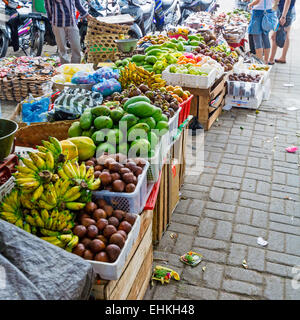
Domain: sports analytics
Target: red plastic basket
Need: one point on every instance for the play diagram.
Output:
(150, 204)
(176, 36)
(185, 109)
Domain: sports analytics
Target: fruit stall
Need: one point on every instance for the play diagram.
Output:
(94, 164)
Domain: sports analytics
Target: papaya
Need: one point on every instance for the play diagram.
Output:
(116, 114)
(130, 119)
(103, 122)
(163, 127)
(101, 111)
(105, 147)
(163, 118)
(86, 147)
(86, 119)
(75, 130)
(141, 109)
(135, 99)
(69, 149)
(151, 60)
(149, 121)
(157, 114)
(138, 58)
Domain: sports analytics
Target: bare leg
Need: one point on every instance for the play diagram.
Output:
(286, 45)
(259, 53)
(266, 55)
(274, 47)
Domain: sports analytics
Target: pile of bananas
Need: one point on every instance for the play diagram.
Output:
(132, 74)
(48, 188)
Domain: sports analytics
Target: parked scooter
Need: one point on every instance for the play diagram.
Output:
(188, 7)
(143, 13)
(167, 12)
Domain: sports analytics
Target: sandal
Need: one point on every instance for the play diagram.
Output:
(280, 61)
(271, 63)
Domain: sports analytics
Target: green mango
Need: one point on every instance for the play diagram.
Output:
(149, 121)
(75, 130)
(103, 122)
(163, 127)
(101, 111)
(105, 147)
(86, 119)
(114, 136)
(99, 136)
(157, 114)
(116, 114)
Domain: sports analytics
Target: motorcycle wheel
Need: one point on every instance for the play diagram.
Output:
(37, 42)
(3, 45)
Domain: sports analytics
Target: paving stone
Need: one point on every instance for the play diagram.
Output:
(183, 244)
(181, 228)
(254, 197)
(206, 179)
(223, 230)
(256, 259)
(274, 289)
(276, 241)
(237, 171)
(286, 219)
(293, 180)
(185, 219)
(224, 169)
(216, 194)
(228, 296)
(244, 239)
(219, 215)
(243, 215)
(241, 287)
(166, 243)
(212, 255)
(279, 269)
(227, 185)
(283, 228)
(242, 274)
(293, 244)
(260, 219)
(207, 227)
(213, 275)
(195, 208)
(263, 188)
(197, 293)
(167, 292)
(220, 206)
(231, 196)
(283, 258)
(249, 185)
(210, 243)
(254, 204)
(182, 205)
(292, 287)
(237, 254)
(228, 178)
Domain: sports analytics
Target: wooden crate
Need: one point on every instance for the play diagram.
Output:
(200, 106)
(137, 271)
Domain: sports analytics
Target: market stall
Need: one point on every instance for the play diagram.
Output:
(101, 153)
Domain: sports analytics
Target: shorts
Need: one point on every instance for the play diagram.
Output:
(261, 41)
(290, 17)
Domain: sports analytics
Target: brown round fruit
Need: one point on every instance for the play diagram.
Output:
(137, 171)
(119, 214)
(105, 178)
(101, 203)
(80, 231)
(113, 221)
(108, 161)
(102, 238)
(90, 207)
(88, 255)
(113, 252)
(97, 245)
(118, 186)
(82, 216)
(97, 174)
(90, 163)
(98, 167)
(124, 170)
(128, 177)
(122, 233)
(115, 166)
(126, 226)
(130, 187)
(108, 209)
(130, 165)
(87, 222)
(117, 239)
(79, 249)
(98, 214)
(135, 180)
(101, 224)
(130, 218)
(102, 256)
(92, 231)
(109, 230)
(115, 176)
(140, 162)
(86, 242)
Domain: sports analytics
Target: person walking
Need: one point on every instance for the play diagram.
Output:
(260, 37)
(61, 14)
(286, 14)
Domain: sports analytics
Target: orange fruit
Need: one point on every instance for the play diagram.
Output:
(170, 88)
(184, 96)
(178, 91)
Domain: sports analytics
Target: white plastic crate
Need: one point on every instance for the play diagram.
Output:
(155, 164)
(189, 80)
(112, 271)
(6, 188)
(242, 67)
(243, 102)
(133, 202)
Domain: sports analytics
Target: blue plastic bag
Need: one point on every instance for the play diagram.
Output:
(106, 73)
(83, 77)
(35, 110)
(107, 87)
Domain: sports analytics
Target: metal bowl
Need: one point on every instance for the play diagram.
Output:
(126, 45)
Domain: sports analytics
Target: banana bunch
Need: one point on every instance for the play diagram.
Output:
(78, 174)
(132, 74)
(65, 241)
(53, 146)
(61, 195)
(51, 223)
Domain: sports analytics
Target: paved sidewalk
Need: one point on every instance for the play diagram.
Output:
(250, 187)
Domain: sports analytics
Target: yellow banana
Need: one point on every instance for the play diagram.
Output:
(7, 207)
(27, 204)
(55, 178)
(37, 193)
(42, 149)
(76, 169)
(65, 237)
(49, 146)
(90, 174)
(44, 215)
(27, 185)
(51, 198)
(25, 170)
(37, 218)
(19, 175)
(54, 214)
(38, 161)
(56, 144)
(29, 219)
(64, 187)
(29, 164)
(42, 155)
(49, 161)
(62, 173)
(19, 223)
(71, 192)
(49, 233)
(33, 229)
(27, 227)
(70, 225)
(69, 171)
(95, 185)
(74, 197)
(49, 223)
(9, 217)
(75, 205)
(12, 199)
(57, 187)
(72, 244)
(25, 180)
(44, 205)
(82, 169)
(49, 239)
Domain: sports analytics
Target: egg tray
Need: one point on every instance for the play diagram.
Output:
(133, 202)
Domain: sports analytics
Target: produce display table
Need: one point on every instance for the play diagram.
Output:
(137, 271)
(201, 106)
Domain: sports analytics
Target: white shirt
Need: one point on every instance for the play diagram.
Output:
(260, 6)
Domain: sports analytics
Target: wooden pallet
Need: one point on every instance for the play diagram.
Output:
(200, 106)
(137, 271)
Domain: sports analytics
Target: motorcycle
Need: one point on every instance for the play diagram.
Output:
(167, 12)
(143, 13)
(188, 7)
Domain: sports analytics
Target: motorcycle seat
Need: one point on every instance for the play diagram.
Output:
(166, 4)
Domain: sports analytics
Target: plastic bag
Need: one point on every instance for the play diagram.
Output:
(35, 109)
(82, 77)
(72, 68)
(107, 87)
(106, 73)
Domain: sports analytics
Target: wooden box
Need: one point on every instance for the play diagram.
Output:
(200, 106)
(137, 271)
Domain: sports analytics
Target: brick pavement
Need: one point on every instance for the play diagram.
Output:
(250, 187)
